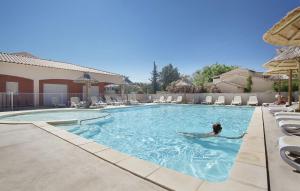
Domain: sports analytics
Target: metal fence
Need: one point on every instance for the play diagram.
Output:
(18, 101)
(11, 101)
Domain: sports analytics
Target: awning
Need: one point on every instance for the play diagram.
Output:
(286, 31)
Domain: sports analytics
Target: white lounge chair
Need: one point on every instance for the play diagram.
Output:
(290, 126)
(208, 100)
(109, 101)
(289, 148)
(252, 101)
(96, 102)
(286, 113)
(169, 99)
(150, 99)
(75, 102)
(220, 100)
(133, 101)
(287, 117)
(155, 100)
(237, 100)
(275, 109)
(119, 100)
(178, 100)
(161, 100)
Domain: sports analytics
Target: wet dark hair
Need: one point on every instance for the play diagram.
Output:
(217, 128)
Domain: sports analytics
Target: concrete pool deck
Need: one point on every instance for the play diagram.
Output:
(248, 172)
(281, 175)
(32, 159)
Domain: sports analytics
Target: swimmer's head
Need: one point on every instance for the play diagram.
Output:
(217, 128)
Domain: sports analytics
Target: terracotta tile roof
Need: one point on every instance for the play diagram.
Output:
(19, 59)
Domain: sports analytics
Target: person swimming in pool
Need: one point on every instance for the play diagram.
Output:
(216, 130)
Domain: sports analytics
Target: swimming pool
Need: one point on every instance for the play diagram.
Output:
(150, 133)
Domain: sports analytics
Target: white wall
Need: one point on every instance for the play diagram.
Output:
(258, 85)
(225, 88)
(261, 85)
(263, 97)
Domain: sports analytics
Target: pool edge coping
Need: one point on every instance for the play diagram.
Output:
(165, 177)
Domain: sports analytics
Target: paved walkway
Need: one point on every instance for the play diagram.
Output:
(282, 176)
(32, 159)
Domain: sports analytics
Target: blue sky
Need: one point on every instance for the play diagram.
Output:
(126, 36)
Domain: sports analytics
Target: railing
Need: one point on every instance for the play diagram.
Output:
(17, 101)
(11, 101)
(89, 119)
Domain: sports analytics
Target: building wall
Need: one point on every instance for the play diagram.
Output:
(261, 85)
(74, 89)
(258, 85)
(240, 80)
(25, 89)
(25, 85)
(235, 72)
(228, 88)
(37, 74)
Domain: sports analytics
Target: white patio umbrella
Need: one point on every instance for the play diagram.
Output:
(285, 74)
(288, 59)
(286, 31)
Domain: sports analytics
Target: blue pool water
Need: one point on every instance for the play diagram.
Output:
(149, 133)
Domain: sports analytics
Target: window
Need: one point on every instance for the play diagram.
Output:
(12, 87)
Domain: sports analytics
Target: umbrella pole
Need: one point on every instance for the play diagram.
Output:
(185, 101)
(290, 87)
(298, 85)
(86, 92)
(279, 89)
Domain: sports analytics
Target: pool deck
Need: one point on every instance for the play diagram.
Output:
(33, 159)
(282, 176)
(40, 156)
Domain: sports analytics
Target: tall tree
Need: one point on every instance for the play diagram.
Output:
(200, 77)
(248, 87)
(167, 75)
(154, 79)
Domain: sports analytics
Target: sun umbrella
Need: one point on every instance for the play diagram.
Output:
(87, 80)
(288, 59)
(183, 84)
(283, 75)
(286, 31)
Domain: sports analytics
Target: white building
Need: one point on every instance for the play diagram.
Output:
(34, 80)
(235, 81)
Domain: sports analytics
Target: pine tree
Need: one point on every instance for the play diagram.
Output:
(154, 79)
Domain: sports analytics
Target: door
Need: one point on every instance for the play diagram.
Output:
(55, 94)
(93, 91)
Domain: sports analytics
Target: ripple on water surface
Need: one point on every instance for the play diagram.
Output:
(149, 133)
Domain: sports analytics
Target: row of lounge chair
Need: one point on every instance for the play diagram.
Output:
(97, 102)
(237, 100)
(168, 100)
(289, 122)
